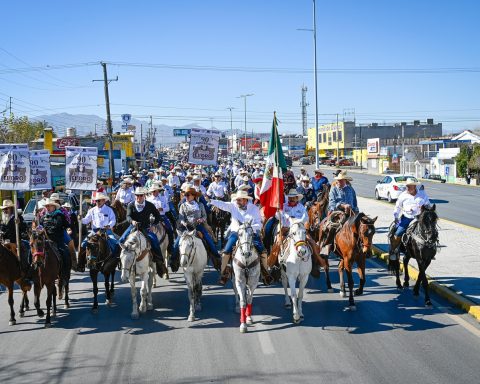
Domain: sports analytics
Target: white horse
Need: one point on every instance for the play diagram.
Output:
(296, 258)
(246, 268)
(136, 261)
(161, 233)
(193, 259)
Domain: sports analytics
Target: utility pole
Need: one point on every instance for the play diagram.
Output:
(403, 147)
(107, 81)
(231, 125)
(141, 140)
(304, 110)
(10, 106)
(338, 143)
(315, 80)
(245, 106)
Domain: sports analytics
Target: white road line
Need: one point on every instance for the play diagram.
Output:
(266, 343)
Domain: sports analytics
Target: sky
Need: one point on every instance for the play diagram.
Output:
(187, 61)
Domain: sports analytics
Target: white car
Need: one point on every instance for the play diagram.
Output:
(391, 186)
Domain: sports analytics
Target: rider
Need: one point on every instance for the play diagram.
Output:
(125, 193)
(342, 196)
(138, 215)
(303, 173)
(407, 208)
(161, 203)
(293, 210)
(8, 222)
(217, 189)
(173, 179)
(318, 181)
(306, 190)
(101, 216)
(192, 215)
(242, 210)
(149, 182)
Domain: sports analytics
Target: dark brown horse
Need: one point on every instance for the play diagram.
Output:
(220, 221)
(421, 243)
(353, 243)
(10, 273)
(121, 217)
(46, 262)
(101, 259)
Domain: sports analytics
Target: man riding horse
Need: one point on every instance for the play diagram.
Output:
(161, 203)
(125, 194)
(242, 211)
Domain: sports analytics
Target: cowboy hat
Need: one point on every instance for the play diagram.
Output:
(192, 191)
(293, 193)
(55, 196)
(128, 181)
(156, 187)
(241, 194)
(218, 174)
(318, 171)
(411, 181)
(196, 177)
(99, 182)
(7, 204)
(343, 176)
(100, 196)
(305, 178)
(66, 205)
(244, 187)
(185, 186)
(140, 191)
(51, 202)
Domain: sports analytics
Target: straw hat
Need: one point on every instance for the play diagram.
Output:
(140, 191)
(100, 196)
(318, 171)
(185, 186)
(128, 181)
(241, 194)
(192, 191)
(155, 187)
(7, 204)
(55, 196)
(293, 193)
(343, 176)
(244, 187)
(196, 178)
(305, 178)
(51, 202)
(411, 181)
(218, 174)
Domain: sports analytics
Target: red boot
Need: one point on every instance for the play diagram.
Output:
(242, 315)
(248, 311)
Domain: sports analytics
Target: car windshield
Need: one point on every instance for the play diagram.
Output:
(403, 179)
(30, 207)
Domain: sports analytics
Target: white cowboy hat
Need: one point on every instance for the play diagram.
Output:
(343, 176)
(128, 181)
(51, 202)
(218, 174)
(185, 186)
(150, 174)
(241, 194)
(411, 181)
(196, 177)
(7, 204)
(164, 178)
(244, 187)
(99, 182)
(305, 178)
(140, 191)
(55, 196)
(100, 196)
(318, 171)
(293, 193)
(66, 205)
(155, 187)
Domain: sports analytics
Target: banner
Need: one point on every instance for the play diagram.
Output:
(14, 167)
(81, 168)
(203, 146)
(40, 171)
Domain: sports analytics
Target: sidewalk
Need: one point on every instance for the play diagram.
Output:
(457, 264)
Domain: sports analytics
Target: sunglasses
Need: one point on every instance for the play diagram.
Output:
(188, 194)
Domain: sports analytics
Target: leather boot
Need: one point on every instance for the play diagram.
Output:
(159, 262)
(225, 269)
(267, 279)
(394, 243)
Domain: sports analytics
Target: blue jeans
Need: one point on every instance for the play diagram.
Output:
(211, 244)
(402, 226)
(66, 237)
(111, 240)
(173, 210)
(153, 239)
(233, 238)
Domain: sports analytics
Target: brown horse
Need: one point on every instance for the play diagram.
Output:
(220, 221)
(352, 244)
(46, 263)
(317, 212)
(10, 273)
(101, 259)
(121, 217)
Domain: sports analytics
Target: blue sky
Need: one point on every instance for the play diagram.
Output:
(351, 34)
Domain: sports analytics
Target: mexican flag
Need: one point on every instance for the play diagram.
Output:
(271, 192)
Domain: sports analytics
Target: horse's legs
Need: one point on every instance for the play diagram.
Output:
(54, 299)
(292, 280)
(342, 282)
(36, 299)
(108, 295)
(240, 280)
(327, 276)
(133, 293)
(191, 295)
(21, 312)
(49, 304)
(301, 289)
(151, 275)
(237, 296)
(67, 289)
(10, 303)
(144, 292)
(112, 283)
(198, 292)
(351, 301)
(361, 274)
(423, 277)
(288, 302)
(94, 277)
(251, 286)
(406, 280)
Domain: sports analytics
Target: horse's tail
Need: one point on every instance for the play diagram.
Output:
(394, 266)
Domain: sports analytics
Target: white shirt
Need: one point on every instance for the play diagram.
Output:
(100, 217)
(160, 202)
(173, 180)
(200, 188)
(290, 214)
(256, 174)
(217, 189)
(239, 216)
(238, 181)
(410, 206)
(125, 196)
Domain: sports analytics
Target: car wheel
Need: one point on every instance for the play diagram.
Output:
(389, 198)
(377, 196)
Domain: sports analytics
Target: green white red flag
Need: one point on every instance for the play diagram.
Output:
(271, 192)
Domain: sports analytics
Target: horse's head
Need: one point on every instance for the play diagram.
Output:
(135, 244)
(245, 238)
(37, 246)
(96, 249)
(298, 235)
(366, 230)
(427, 225)
(187, 248)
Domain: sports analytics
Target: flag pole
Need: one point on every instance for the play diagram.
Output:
(17, 224)
(276, 155)
(80, 223)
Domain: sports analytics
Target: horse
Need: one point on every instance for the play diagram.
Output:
(317, 212)
(246, 269)
(136, 261)
(296, 265)
(352, 244)
(101, 259)
(193, 259)
(421, 243)
(161, 233)
(10, 273)
(121, 217)
(220, 221)
(46, 263)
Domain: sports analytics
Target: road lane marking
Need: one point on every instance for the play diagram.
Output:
(266, 343)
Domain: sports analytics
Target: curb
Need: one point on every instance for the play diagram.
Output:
(450, 295)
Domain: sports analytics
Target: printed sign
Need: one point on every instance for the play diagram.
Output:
(67, 142)
(81, 168)
(14, 167)
(373, 146)
(181, 132)
(126, 120)
(203, 146)
(40, 172)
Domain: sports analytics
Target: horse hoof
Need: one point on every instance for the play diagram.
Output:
(143, 310)
(134, 316)
(343, 294)
(21, 314)
(40, 313)
(149, 307)
(48, 325)
(191, 318)
(12, 322)
(243, 328)
(27, 308)
(296, 321)
(358, 292)
(428, 304)
(330, 290)
(94, 311)
(54, 313)
(352, 307)
(249, 320)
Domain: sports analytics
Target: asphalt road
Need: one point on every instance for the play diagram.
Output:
(454, 202)
(391, 338)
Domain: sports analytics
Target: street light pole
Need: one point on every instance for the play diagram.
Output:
(315, 80)
(245, 107)
(231, 125)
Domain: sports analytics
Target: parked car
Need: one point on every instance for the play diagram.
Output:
(345, 163)
(305, 161)
(437, 178)
(391, 186)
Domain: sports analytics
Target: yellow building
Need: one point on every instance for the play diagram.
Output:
(125, 142)
(331, 139)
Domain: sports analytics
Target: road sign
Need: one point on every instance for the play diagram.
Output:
(152, 148)
(447, 170)
(126, 120)
(181, 132)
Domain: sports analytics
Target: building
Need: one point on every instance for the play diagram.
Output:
(293, 145)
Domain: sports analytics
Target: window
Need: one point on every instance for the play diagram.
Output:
(320, 138)
(334, 136)
(324, 137)
(340, 136)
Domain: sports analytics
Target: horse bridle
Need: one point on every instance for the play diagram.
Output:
(136, 256)
(298, 243)
(40, 233)
(192, 250)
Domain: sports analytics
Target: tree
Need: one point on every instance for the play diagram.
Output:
(19, 130)
(474, 160)
(462, 161)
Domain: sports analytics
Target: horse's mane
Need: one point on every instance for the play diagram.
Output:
(428, 220)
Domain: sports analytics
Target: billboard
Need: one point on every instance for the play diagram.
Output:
(203, 147)
(373, 147)
(81, 168)
(181, 132)
(14, 167)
